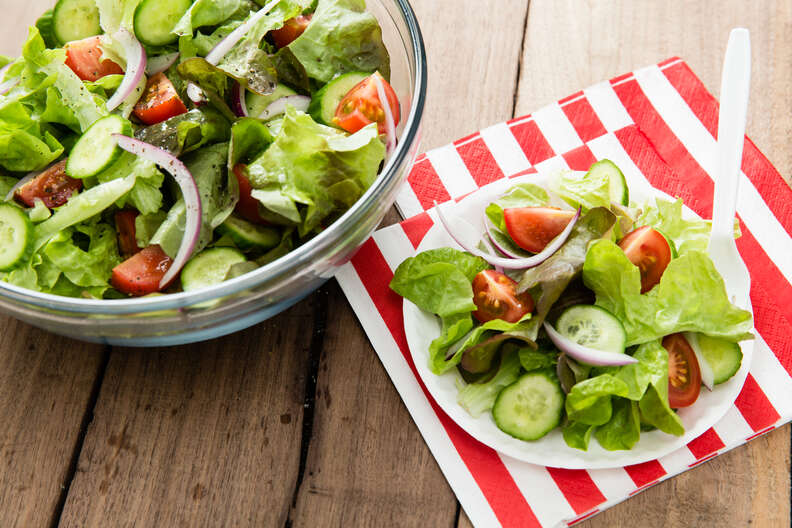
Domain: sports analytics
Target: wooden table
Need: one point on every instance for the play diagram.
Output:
(294, 422)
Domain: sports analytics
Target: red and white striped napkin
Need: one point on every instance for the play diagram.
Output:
(660, 121)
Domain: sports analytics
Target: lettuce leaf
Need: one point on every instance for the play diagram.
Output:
(187, 132)
(623, 430)
(589, 402)
(145, 195)
(477, 398)
(687, 235)
(211, 13)
(90, 265)
(577, 435)
(584, 190)
(522, 195)
(690, 297)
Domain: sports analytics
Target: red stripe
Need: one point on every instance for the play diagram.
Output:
(702, 460)
(667, 61)
(760, 171)
(576, 520)
(709, 442)
(645, 473)
(568, 98)
(416, 227)
(577, 487)
(755, 407)
(426, 184)
(620, 78)
(529, 170)
(580, 158)
(583, 118)
(484, 464)
(480, 162)
(760, 433)
(532, 141)
(469, 136)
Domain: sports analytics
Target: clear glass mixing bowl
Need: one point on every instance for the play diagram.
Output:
(244, 301)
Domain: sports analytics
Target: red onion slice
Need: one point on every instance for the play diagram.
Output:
(504, 262)
(390, 126)
(29, 176)
(278, 106)
(225, 45)
(500, 247)
(584, 354)
(192, 198)
(135, 67)
(238, 103)
(161, 63)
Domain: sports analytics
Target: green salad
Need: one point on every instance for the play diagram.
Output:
(578, 309)
(154, 146)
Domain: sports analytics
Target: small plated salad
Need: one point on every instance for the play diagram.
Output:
(152, 146)
(573, 310)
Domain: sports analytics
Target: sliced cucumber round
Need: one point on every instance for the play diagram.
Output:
(594, 327)
(75, 20)
(671, 245)
(256, 103)
(325, 102)
(723, 357)
(16, 236)
(209, 267)
(155, 19)
(530, 407)
(97, 148)
(618, 185)
(247, 235)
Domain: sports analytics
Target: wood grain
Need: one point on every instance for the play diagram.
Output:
(571, 44)
(198, 435)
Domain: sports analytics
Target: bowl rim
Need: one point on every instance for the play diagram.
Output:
(287, 263)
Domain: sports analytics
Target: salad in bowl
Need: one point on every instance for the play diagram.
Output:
(574, 326)
(158, 146)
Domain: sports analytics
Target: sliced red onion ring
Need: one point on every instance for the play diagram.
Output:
(238, 103)
(504, 262)
(584, 354)
(135, 67)
(161, 63)
(500, 247)
(278, 106)
(390, 126)
(225, 45)
(192, 199)
(29, 176)
(195, 94)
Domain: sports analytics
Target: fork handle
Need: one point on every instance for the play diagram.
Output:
(735, 85)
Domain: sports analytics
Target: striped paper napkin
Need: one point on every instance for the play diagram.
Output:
(660, 122)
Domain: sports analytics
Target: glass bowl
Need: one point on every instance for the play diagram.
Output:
(246, 300)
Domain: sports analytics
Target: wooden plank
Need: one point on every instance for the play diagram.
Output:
(572, 44)
(46, 386)
(198, 435)
(367, 464)
(17, 17)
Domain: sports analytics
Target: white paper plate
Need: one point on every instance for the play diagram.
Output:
(421, 328)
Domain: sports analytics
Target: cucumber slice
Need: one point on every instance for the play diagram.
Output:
(247, 235)
(75, 20)
(325, 102)
(618, 185)
(722, 357)
(256, 103)
(594, 327)
(155, 19)
(209, 267)
(16, 236)
(671, 245)
(530, 407)
(97, 148)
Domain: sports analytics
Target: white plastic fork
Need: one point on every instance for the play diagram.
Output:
(735, 84)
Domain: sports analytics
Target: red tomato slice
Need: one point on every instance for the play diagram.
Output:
(532, 228)
(247, 206)
(648, 249)
(84, 59)
(159, 101)
(125, 225)
(291, 29)
(362, 106)
(684, 374)
(495, 296)
(52, 187)
(141, 273)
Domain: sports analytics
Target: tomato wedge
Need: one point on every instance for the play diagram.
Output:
(648, 249)
(247, 206)
(84, 57)
(291, 29)
(495, 296)
(160, 101)
(684, 374)
(125, 225)
(53, 187)
(532, 228)
(141, 273)
(362, 106)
